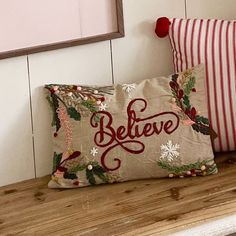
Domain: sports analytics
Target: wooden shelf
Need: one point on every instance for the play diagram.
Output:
(146, 207)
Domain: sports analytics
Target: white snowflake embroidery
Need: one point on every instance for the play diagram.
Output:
(94, 151)
(103, 107)
(128, 88)
(169, 151)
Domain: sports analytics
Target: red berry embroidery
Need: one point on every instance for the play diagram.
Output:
(76, 183)
(52, 91)
(181, 94)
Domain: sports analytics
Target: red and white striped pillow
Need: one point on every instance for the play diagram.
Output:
(212, 42)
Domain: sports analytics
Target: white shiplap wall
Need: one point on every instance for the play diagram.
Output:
(141, 54)
(16, 147)
(79, 65)
(25, 154)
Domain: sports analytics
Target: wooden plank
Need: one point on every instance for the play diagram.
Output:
(145, 207)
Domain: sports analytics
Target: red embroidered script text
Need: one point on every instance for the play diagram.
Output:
(123, 136)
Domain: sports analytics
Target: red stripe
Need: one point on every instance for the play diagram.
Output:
(192, 34)
(218, 72)
(206, 66)
(229, 88)
(214, 88)
(180, 53)
(214, 82)
(185, 44)
(222, 87)
(199, 41)
(175, 56)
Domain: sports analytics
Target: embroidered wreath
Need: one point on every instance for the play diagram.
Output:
(69, 101)
(182, 85)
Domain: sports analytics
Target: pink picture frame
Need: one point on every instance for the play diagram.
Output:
(35, 26)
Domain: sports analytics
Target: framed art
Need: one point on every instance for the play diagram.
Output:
(31, 26)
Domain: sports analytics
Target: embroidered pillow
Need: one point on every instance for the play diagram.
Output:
(212, 42)
(155, 128)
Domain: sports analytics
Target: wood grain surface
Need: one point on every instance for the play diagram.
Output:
(145, 207)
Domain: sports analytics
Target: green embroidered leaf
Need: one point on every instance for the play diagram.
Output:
(212, 170)
(50, 101)
(89, 105)
(96, 118)
(99, 171)
(73, 113)
(181, 169)
(90, 177)
(203, 120)
(69, 176)
(189, 86)
(175, 77)
(56, 160)
(77, 168)
(186, 102)
(202, 125)
(201, 128)
(102, 177)
(56, 120)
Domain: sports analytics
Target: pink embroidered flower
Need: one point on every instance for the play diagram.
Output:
(188, 122)
(59, 174)
(65, 123)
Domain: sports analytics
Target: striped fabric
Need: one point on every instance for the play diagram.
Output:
(212, 42)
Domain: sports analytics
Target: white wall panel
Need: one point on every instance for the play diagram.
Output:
(210, 9)
(16, 155)
(141, 54)
(88, 64)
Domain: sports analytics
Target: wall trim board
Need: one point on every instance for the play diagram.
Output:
(185, 9)
(31, 114)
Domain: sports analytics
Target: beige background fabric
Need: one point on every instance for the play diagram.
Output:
(156, 92)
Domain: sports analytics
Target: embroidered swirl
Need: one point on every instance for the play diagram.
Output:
(123, 136)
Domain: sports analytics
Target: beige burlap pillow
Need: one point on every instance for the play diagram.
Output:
(155, 128)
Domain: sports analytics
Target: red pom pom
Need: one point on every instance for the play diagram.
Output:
(162, 27)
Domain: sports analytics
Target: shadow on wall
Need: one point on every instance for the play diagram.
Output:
(42, 132)
(147, 55)
(157, 50)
